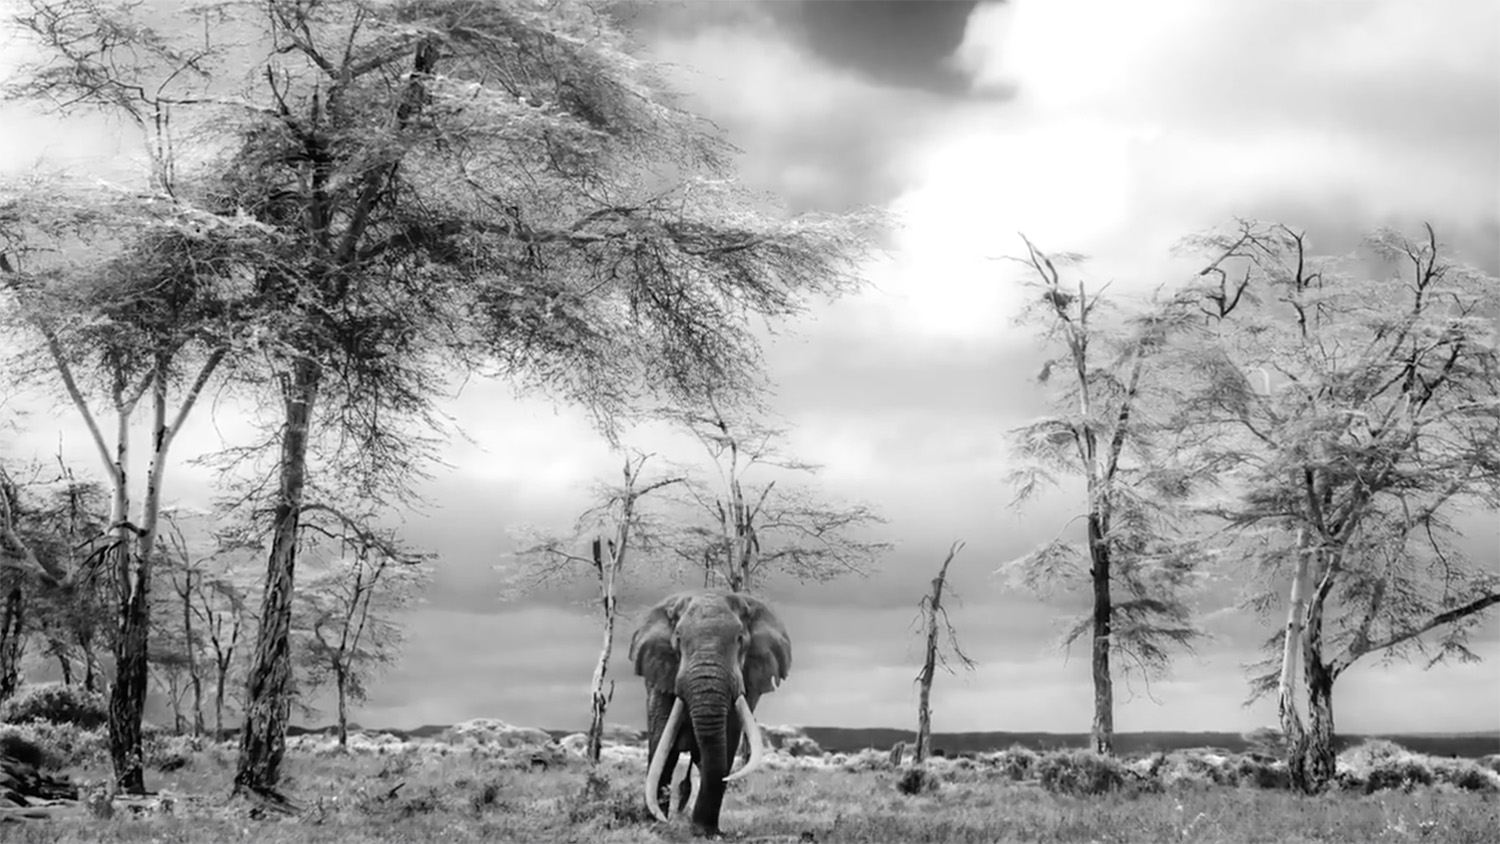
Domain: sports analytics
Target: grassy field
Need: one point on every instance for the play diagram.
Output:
(439, 793)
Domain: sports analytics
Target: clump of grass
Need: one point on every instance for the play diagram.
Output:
(1080, 773)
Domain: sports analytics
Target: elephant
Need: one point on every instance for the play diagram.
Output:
(707, 657)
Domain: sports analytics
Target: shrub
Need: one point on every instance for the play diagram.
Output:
(62, 745)
(1403, 772)
(1372, 752)
(55, 703)
(1016, 763)
(1080, 773)
(915, 780)
(24, 750)
(1262, 773)
(1465, 774)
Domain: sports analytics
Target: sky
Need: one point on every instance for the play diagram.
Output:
(1097, 127)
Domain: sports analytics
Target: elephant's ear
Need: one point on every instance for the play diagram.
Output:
(651, 646)
(768, 657)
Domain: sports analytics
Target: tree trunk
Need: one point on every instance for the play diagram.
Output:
(11, 637)
(599, 700)
(221, 677)
(341, 680)
(194, 679)
(1294, 737)
(1103, 734)
(64, 664)
(90, 666)
(127, 699)
(1319, 760)
(1316, 748)
(268, 687)
(924, 696)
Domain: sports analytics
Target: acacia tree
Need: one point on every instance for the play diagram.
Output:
(344, 624)
(931, 608)
(1352, 407)
(744, 530)
(117, 325)
(612, 528)
(1136, 559)
(50, 555)
(499, 186)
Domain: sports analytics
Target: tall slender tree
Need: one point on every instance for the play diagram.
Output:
(1136, 559)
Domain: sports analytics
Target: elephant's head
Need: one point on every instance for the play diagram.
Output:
(707, 656)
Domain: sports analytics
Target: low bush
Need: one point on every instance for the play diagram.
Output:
(917, 780)
(24, 750)
(55, 703)
(1465, 774)
(1401, 772)
(1262, 773)
(1080, 773)
(62, 745)
(1017, 763)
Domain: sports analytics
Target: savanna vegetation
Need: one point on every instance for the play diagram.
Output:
(347, 208)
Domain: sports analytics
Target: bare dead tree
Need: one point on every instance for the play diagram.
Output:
(618, 526)
(932, 609)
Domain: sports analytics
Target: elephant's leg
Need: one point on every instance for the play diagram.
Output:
(685, 788)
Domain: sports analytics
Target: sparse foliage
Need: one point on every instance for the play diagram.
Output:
(1351, 408)
(1107, 428)
(613, 528)
(345, 625)
(743, 529)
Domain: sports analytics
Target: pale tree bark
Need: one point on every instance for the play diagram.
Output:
(1292, 731)
(605, 563)
(932, 608)
(608, 559)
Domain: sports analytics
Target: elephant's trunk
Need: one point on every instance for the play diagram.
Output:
(710, 701)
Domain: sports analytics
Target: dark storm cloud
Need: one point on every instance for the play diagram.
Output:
(902, 43)
(833, 137)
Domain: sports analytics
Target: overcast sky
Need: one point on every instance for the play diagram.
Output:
(1100, 127)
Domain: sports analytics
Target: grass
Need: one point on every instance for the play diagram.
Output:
(465, 794)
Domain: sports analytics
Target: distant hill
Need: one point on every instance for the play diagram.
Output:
(844, 740)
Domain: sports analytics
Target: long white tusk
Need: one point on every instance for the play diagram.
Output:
(696, 776)
(667, 744)
(752, 729)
